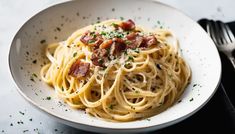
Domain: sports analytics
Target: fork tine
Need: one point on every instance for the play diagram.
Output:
(211, 31)
(230, 33)
(217, 32)
(223, 33)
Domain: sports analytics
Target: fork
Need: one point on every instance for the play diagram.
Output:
(223, 37)
(224, 40)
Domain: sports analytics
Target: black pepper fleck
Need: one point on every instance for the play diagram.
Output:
(34, 61)
(43, 41)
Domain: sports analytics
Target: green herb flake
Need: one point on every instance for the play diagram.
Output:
(148, 119)
(91, 41)
(111, 106)
(130, 58)
(114, 24)
(75, 54)
(103, 33)
(158, 22)
(25, 131)
(127, 42)
(121, 18)
(21, 112)
(48, 98)
(125, 52)
(136, 91)
(30, 119)
(194, 85)
(137, 50)
(191, 99)
(34, 75)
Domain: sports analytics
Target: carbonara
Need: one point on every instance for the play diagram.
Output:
(117, 71)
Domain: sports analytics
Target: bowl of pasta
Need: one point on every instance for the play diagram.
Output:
(112, 67)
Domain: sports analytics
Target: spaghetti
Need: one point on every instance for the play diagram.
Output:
(117, 71)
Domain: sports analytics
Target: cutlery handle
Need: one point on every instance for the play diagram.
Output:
(229, 106)
(232, 59)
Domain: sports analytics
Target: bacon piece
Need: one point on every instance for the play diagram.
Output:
(128, 25)
(149, 41)
(134, 40)
(99, 57)
(117, 47)
(131, 36)
(79, 69)
(91, 39)
(106, 44)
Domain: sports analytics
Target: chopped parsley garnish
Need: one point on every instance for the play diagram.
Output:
(103, 33)
(21, 112)
(91, 41)
(127, 42)
(48, 98)
(191, 99)
(114, 25)
(136, 91)
(101, 61)
(121, 18)
(158, 22)
(74, 54)
(35, 75)
(25, 131)
(130, 58)
(137, 50)
(111, 106)
(194, 85)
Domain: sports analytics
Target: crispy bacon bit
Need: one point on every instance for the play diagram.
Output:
(106, 44)
(134, 40)
(92, 39)
(128, 25)
(117, 47)
(149, 41)
(99, 57)
(79, 69)
(131, 36)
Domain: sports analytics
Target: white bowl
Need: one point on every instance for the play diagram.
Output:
(58, 22)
